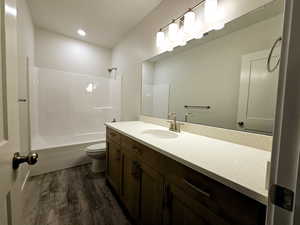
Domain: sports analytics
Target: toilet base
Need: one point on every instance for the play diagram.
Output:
(98, 165)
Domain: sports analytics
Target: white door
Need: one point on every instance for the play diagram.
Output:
(284, 209)
(9, 117)
(258, 92)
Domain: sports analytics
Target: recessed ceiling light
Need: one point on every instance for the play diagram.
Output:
(81, 32)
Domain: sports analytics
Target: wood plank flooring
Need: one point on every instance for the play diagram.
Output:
(71, 197)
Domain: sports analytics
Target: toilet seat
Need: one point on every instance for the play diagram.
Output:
(97, 148)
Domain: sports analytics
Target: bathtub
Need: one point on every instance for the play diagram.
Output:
(39, 143)
(61, 152)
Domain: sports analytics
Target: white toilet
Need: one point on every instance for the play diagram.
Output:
(97, 153)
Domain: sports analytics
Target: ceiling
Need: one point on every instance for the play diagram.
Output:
(105, 21)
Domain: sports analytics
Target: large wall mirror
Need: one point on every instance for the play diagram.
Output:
(221, 80)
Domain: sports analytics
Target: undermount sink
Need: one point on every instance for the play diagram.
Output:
(164, 134)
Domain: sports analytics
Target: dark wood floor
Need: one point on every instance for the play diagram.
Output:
(71, 197)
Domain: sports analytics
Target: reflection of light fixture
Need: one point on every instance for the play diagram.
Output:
(172, 33)
(181, 38)
(169, 46)
(81, 32)
(189, 22)
(160, 39)
(213, 15)
(199, 28)
(90, 88)
(10, 10)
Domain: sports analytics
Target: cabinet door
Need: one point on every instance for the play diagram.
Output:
(151, 196)
(130, 187)
(181, 209)
(114, 165)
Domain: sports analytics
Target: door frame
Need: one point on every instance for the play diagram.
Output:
(285, 154)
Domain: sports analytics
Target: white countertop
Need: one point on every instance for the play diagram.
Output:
(239, 167)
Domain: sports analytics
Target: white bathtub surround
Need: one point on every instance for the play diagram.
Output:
(240, 167)
(68, 113)
(259, 141)
(67, 106)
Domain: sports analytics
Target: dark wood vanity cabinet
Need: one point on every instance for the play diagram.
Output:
(182, 209)
(156, 190)
(114, 165)
(141, 188)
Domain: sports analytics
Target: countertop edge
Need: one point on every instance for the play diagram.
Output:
(231, 184)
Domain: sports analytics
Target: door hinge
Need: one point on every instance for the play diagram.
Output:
(282, 197)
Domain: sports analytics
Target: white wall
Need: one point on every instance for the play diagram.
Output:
(209, 74)
(139, 45)
(55, 51)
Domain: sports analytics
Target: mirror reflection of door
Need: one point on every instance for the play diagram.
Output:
(258, 93)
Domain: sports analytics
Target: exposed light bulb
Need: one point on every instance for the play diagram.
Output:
(181, 37)
(199, 29)
(169, 46)
(219, 23)
(211, 7)
(160, 39)
(173, 31)
(189, 22)
(214, 15)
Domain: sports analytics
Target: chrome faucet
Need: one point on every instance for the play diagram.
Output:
(174, 125)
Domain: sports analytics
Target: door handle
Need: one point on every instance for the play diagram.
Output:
(241, 123)
(18, 159)
(197, 189)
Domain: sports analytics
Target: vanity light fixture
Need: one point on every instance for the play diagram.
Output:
(213, 15)
(199, 28)
(160, 39)
(81, 32)
(189, 22)
(189, 26)
(182, 40)
(172, 32)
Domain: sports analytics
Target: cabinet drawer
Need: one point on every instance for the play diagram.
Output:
(225, 202)
(142, 152)
(182, 208)
(112, 135)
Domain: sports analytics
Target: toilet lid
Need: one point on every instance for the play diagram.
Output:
(97, 147)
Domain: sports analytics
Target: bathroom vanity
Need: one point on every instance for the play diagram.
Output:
(163, 177)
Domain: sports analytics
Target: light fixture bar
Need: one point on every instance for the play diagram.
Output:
(182, 15)
(190, 25)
